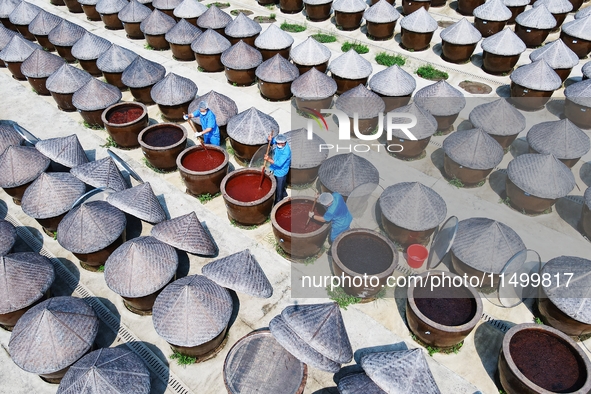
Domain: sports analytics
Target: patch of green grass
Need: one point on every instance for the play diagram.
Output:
(481, 183)
(292, 27)
(431, 73)
(547, 211)
(456, 182)
(324, 38)
(239, 11)
(280, 251)
(359, 48)
(218, 4)
(438, 134)
(265, 19)
(537, 320)
(157, 170)
(205, 198)
(434, 349)
(506, 201)
(101, 269)
(182, 359)
(55, 236)
(272, 16)
(270, 6)
(200, 69)
(110, 143)
(92, 126)
(230, 150)
(342, 299)
(306, 261)
(387, 60)
(148, 47)
(312, 259)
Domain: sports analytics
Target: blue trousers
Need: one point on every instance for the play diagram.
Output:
(210, 139)
(281, 191)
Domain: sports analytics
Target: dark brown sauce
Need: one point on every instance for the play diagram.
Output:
(365, 254)
(163, 136)
(449, 306)
(547, 361)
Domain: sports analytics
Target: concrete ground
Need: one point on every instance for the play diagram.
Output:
(380, 324)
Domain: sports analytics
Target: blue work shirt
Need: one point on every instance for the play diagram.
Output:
(339, 216)
(209, 121)
(282, 160)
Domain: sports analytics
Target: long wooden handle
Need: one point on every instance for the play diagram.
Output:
(266, 154)
(201, 141)
(313, 206)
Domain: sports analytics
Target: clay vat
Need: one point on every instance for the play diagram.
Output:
(578, 114)
(240, 77)
(318, 12)
(133, 30)
(456, 53)
(348, 21)
(91, 13)
(467, 7)
(488, 28)
(93, 261)
(112, 21)
(468, 176)
(291, 6)
(380, 31)
(526, 202)
(442, 317)
(162, 143)
(246, 203)
(410, 149)
(405, 237)
(498, 64)
(124, 122)
(294, 237)
(410, 6)
(360, 251)
(202, 173)
(73, 6)
(579, 46)
(565, 368)
(210, 63)
(529, 99)
(174, 112)
(344, 84)
(531, 37)
(143, 94)
(412, 41)
(158, 42)
(182, 52)
(275, 91)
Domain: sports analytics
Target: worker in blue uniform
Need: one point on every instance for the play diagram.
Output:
(209, 124)
(280, 165)
(336, 213)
